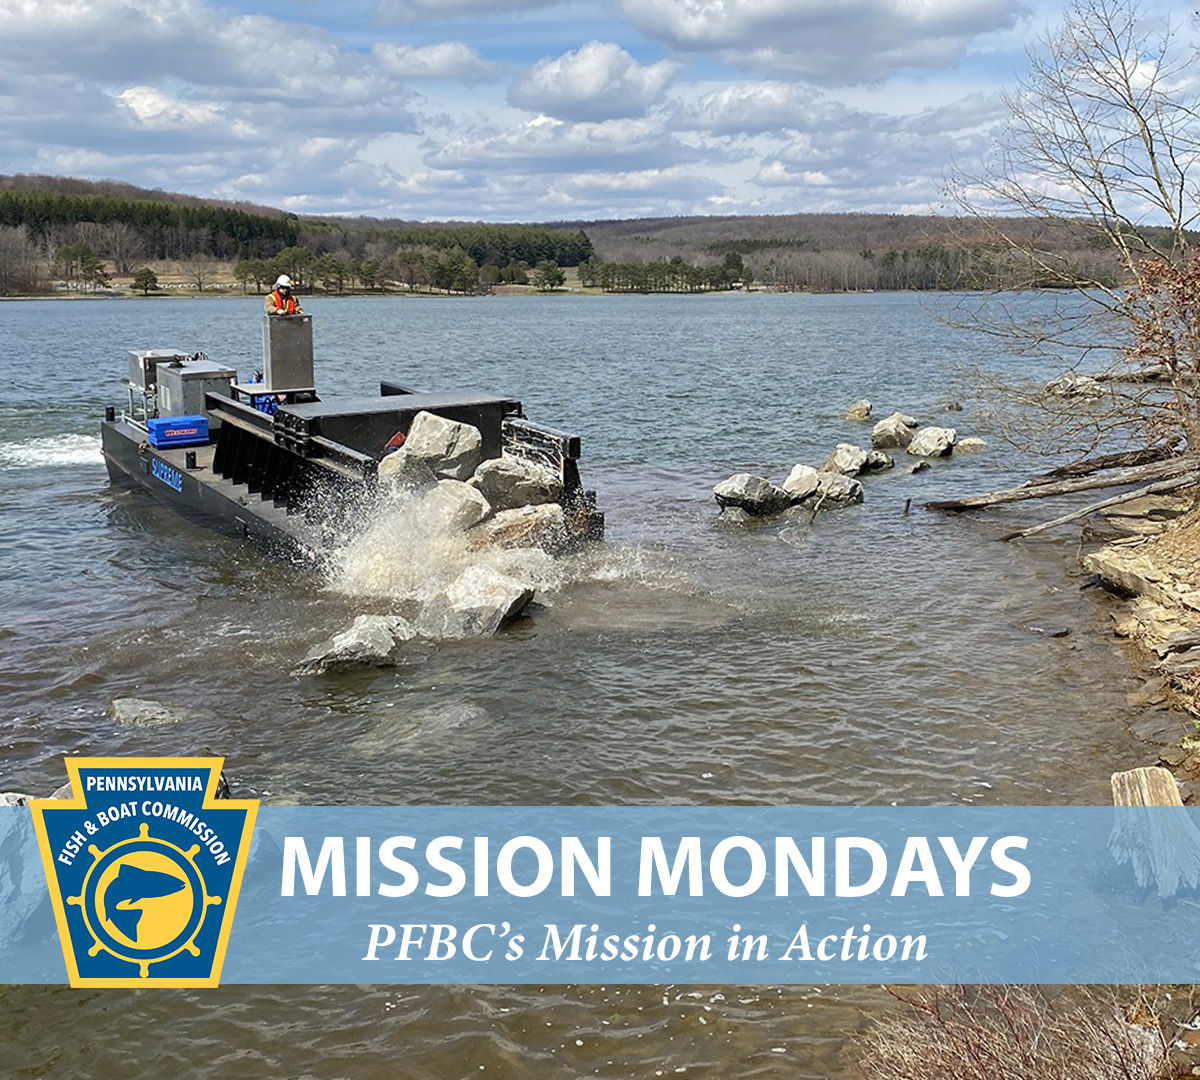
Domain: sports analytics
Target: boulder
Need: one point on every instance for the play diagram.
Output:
(370, 641)
(403, 471)
(893, 431)
(801, 483)
(751, 493)
(846, 459)
(734, 515)
(969, 445)
(449, 448)
(454, 506)
(837, 489)
(541, 526)
(878, 461)
(860, 410)
(508, 482)
(1071, 385)
(15, 798)
(478, 602)
(142, 712)
(920, 466)
(932, 442)
(954, 406)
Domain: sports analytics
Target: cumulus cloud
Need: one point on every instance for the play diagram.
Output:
(598, 81)
(445, 60)
(410, 10)
(827, 41)
(756, 108)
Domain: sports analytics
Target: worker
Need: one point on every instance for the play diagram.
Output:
(281, 301)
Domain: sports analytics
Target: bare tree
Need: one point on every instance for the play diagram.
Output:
(21, 268)
(1102, 138)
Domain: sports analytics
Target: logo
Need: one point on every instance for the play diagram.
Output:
(173, 478)
(144, 868)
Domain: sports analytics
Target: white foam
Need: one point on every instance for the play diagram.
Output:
(51, 451)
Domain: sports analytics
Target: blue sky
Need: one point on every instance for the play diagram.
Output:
(511, 110)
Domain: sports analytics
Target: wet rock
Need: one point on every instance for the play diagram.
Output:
(1072, 385)
(142, 712)
(846, 459)
(893, 432)
(932, 442)
(954, 406)
(508, 482)
(451, 449)
(370, 641)
(15, 798)
(836, 490)
(970, 445)
(478, 602)
(542, 526)
(860, 410)
(878, 461)
(802, 482)
(753, 494)
(1050, 631)
(454, 506)
(405, 472)
(734, 515)
(920, 466)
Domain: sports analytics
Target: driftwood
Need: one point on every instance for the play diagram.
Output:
(1145, 787)
(1161, 850)
(1108, 461)
(1138, 474)
(1159, 488)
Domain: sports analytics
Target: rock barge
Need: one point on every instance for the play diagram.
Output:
(271, 460)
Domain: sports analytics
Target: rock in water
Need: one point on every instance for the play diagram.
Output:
(751, 493)
(801, 483)
(15, 798)
(734, 515)
(893, 431)
(878, 461)
(860, 410)
(1071, 385)
(406, 472)
(542, 526)
(932, 442)
(142, 712)
(846, 459)
(969, 445)
(835, 489)
(450, 449)
(508, 482)
(478, 602)
(454, 506)
(370, 641)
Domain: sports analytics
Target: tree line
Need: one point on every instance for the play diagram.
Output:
(661, 275)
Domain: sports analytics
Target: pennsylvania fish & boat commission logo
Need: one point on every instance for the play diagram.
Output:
(144, 867)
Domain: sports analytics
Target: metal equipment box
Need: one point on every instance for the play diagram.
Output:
(287, 353)
(182, 385)
(167, 431)
(142, 363)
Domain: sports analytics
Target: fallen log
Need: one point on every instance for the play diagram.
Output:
(1159, 488)
(1161, 470)
(1108, 461)
(1159, 850)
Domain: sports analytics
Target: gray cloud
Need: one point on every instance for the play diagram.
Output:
(444, 60)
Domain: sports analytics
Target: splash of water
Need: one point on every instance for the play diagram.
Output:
(51, 451)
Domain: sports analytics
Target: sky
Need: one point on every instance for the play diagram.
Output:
(515, 110)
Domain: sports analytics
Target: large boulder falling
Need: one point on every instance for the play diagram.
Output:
(508, 482)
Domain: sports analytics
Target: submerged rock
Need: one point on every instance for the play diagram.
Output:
(142, 712)
(878, 461)
(920, 466)
(370, 641)
(847, 459)
(860, 410)
(508, 482)
(543, 526)
(932, 442)
(754, 494)
(895, 431)
(478, 602)
(970, 445)
(455, 506)
(449, 448)
(802, 481)
(734, 515)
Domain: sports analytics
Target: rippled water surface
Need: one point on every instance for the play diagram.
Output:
(873, 656)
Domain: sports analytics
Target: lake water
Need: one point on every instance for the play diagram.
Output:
(872, 657)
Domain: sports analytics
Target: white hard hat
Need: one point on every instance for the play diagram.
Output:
(283, 282)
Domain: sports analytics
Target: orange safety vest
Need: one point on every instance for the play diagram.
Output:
(289, 307)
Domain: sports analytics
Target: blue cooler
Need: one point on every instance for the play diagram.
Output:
(169, 431)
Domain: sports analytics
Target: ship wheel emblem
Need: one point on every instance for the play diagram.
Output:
(144, 900)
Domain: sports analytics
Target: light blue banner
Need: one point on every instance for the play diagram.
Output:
(686, 895)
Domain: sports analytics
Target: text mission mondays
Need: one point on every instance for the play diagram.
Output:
(735, 866)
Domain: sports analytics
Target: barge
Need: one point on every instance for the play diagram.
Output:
(272, 461)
